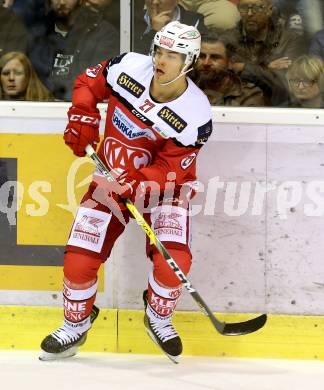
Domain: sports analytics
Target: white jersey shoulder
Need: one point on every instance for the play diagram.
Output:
(193, 106)
(186, 119)
(125, 76)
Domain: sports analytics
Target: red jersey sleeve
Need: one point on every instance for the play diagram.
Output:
(179, 155)
(175, 158)
(91, 87)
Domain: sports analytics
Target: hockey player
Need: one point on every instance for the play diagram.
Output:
(157, 121)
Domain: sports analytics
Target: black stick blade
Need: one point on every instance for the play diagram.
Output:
(246, 327)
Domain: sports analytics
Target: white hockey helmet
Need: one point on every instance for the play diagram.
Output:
(179, 38)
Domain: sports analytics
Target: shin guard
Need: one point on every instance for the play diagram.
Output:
(161, 301)
(77, 307)
(157, 319)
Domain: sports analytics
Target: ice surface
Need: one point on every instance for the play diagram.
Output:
(95, 371)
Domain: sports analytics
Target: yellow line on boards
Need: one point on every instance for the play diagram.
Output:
(24, 327)
(290, 337)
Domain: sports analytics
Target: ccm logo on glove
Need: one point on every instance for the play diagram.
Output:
(84, 119)
(82, 129)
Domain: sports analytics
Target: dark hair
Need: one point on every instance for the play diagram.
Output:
(227, 38)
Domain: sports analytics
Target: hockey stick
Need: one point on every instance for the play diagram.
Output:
(228, 329)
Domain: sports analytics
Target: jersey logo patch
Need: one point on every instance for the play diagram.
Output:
(93, 71)
(170, 223)
(204, 133)
(187, 161)
(89, 229)
(116, 60)
(162, 133)
(172, 119)
(122, 156)
(130, 85)
(128, 128)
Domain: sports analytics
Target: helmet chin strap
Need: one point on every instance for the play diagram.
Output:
(182, 73)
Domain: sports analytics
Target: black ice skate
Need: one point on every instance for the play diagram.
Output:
(164, 335)
(62, 344)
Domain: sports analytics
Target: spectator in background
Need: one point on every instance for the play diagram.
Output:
(13, 36)
(98, 4)
(30, 12)
(311, 12)
(295, 23)
(155, 15)
(214, 76)
(317, 45)
(7, 3)
(72, 38)
(306, 82)
(110, 10)
(262, 40)
(218, 14)
(290, 17)
(18, 80)
(265, 48)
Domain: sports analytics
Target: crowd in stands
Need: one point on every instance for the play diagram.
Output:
(254, 52)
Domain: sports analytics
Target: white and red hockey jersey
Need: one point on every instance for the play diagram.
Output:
(141, 133)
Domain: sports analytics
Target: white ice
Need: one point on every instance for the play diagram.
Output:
(96, 371)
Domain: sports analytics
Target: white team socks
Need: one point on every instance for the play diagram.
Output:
(161, 301)
(77, 308)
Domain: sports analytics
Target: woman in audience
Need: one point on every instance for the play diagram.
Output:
(18, 80)
(306, 82)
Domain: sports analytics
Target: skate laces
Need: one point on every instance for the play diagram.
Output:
(64, 336)
(164, 332)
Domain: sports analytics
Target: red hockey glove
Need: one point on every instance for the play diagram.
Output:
(129, 183)
(125, 185)
(82, 129)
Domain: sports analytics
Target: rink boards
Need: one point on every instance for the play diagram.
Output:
(257, 234)
(289, 337)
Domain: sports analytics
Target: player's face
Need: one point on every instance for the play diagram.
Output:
(13, 78)
(63, 8)
(212, 57)
(168, 65)
(158, 6)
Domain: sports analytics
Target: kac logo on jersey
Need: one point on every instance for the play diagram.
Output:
(128, 128)
(121, 156)
(172, 119)
(130, 85)
(187, 161)
(93, 71)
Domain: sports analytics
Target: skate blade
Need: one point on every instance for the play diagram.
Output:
(47, 356)
(174, 359)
